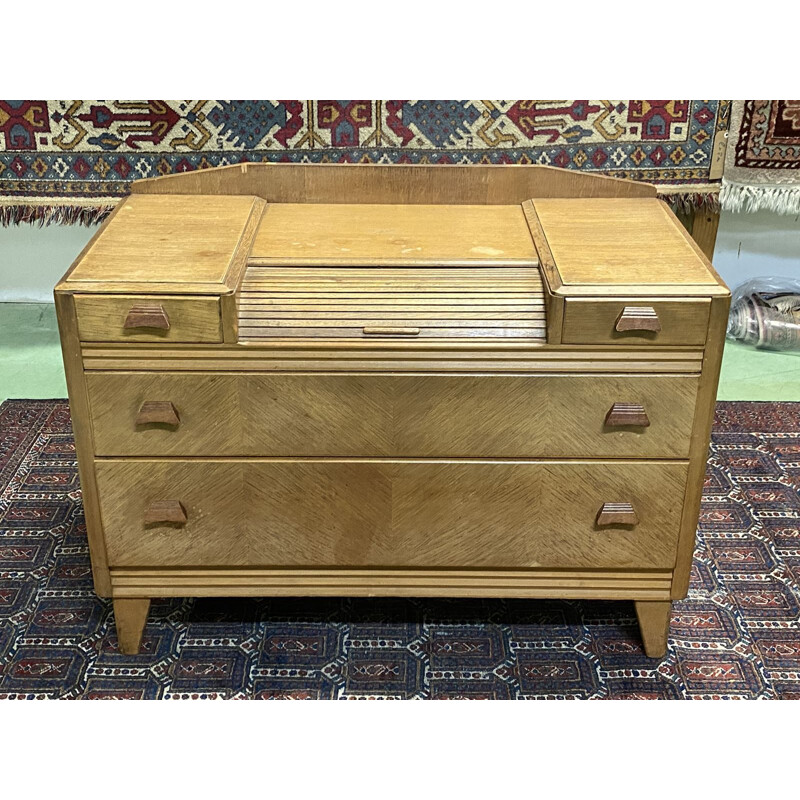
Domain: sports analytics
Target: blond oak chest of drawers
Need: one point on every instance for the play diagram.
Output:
(495, 396)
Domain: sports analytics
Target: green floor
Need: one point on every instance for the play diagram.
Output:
(30, 353)
(30, 361)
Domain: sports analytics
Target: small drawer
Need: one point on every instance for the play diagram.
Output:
(381, 513)
(137, 318)
(635, 321)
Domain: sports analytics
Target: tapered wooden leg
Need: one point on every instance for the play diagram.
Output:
(131, 616)
(654, 625)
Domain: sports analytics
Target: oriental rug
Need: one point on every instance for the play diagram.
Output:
(70, 160)
(737, 635)
(762, 163)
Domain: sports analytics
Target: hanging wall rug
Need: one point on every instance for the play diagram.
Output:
(70, 160)
(762, 163)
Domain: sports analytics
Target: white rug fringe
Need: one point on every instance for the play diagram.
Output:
(748, 198)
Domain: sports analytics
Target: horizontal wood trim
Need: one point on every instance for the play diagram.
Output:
(373, 355)
(363, 262)
(532, 333)
(404, 366)
(589, 584)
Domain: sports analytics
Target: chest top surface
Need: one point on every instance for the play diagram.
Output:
(394, 235)
(623, 242)
(182, 244)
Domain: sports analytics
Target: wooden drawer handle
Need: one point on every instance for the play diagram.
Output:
(165, 512)
(622, 414)
(158, 412)
(147, 317)
(378, 330)
(617, 514)
(638, 318)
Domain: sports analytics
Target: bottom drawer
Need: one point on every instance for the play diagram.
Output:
(382, 513)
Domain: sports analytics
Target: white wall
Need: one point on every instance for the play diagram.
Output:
(764, 243)
(32, 259)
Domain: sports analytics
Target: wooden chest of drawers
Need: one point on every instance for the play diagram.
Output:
(444, 392)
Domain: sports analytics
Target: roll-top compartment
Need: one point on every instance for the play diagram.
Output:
(392, 303)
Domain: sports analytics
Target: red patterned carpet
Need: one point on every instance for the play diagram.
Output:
(737, 635)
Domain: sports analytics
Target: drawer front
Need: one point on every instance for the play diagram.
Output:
(380, 513)
(425, 416)
(679, 322)
(130, 318)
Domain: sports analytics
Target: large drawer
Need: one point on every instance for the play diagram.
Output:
(523, 416)
(381, 513)
(139, 318)
(636, 321)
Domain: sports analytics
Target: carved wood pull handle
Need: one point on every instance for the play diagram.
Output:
(379, 330)
(622, 414)
(617, 514)
(638, 318)
(147, 317)
(165, 512)
(158, 411)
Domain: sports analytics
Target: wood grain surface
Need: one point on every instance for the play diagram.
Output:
(340, 302)
(653, 619)
(397, 183)
(305, 233)
(622, 242)
(102, 318)
(594, 321)
(422, 416)
(392, 380)
(168, 244)
(264, 582)
(381, 513)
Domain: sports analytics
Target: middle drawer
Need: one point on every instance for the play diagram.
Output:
(423, 416)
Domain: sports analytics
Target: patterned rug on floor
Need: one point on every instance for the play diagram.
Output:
(69, 160)
(737, 635)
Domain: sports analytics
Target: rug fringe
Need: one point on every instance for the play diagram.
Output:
(687, 202)
(42, 215)
(738, 197)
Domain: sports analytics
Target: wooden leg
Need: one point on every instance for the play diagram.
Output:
(131, 616)
(654, 625)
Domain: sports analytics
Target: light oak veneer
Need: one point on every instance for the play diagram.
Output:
(382, 513)
(394, 416)
(311, 380)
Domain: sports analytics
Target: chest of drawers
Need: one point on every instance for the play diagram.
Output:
(492, 399)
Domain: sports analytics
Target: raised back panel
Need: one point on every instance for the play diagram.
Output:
(499, 184)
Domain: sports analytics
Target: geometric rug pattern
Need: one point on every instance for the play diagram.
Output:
(737, 634)
(89, 149)
(762, 163)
